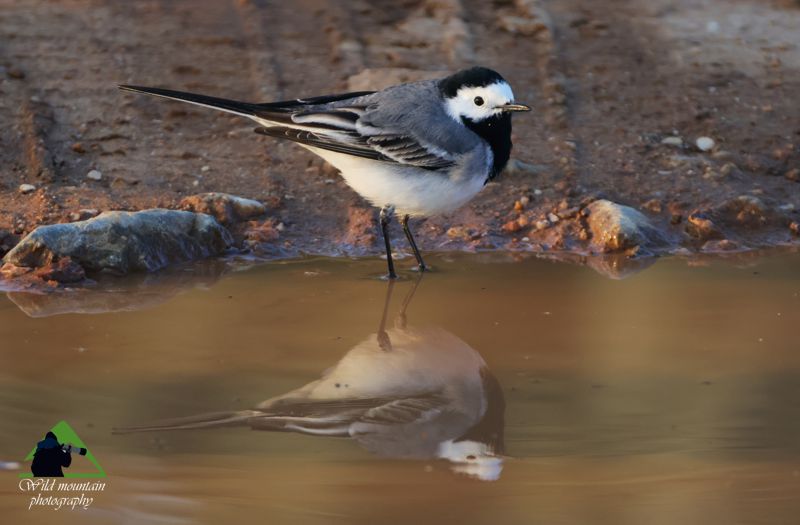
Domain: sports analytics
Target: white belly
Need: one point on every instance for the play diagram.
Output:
(412, 191)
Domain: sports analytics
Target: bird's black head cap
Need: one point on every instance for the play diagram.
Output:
(472, 77)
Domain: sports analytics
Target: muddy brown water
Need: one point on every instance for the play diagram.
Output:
(671, 396)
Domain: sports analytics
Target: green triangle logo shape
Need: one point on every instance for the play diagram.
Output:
(66, 434)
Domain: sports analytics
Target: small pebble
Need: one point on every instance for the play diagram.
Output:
(537, 191)
(541, 225)
(552, 217)
(195, 183)
(205, 168)
(94, 175)
(524, 200)
(672, 141)
(509, 227)
(78, 148)
(26, 188)
(728, 168)
(705, 143)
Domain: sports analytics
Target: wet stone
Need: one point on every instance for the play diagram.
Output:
(616, 228)
(124, 242)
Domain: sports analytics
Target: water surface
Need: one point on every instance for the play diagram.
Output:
(511, 392)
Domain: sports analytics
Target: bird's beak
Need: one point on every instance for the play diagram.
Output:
(514, 107)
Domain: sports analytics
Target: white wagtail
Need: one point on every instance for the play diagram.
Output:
(402, 393)
(414, 149)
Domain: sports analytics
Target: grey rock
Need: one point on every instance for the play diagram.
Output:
(616, 228)
(124, 242)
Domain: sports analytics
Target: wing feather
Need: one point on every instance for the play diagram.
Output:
(332, 141)
(338, 131)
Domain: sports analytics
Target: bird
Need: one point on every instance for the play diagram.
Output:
(412, 150)
(404, 392)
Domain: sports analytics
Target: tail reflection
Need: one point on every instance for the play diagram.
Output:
(404, 392)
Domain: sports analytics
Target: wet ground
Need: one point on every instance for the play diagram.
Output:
(666, 397)
(622, 91)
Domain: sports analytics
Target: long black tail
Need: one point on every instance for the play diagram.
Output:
(223, 104)
(278, 111)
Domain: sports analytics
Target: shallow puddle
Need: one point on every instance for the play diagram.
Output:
(494, 391)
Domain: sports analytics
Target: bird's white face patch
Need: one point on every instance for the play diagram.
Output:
(479, 103)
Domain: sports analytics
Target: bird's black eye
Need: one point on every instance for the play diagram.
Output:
(478, 101)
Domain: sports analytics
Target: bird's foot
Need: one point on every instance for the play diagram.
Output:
(421, 268)
(391, 276)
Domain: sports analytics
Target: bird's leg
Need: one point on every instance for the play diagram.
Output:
(383, 336)
(386, 217)
(413, 243)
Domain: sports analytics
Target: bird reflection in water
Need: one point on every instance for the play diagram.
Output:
(404, 392)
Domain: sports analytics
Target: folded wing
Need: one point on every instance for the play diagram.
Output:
(338, 129)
